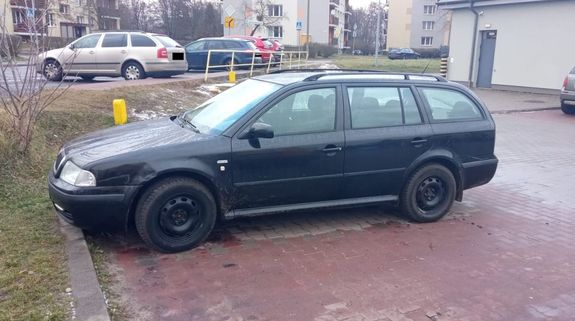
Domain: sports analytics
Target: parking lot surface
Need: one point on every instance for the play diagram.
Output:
(507, 252)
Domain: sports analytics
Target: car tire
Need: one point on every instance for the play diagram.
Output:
(567, 109)
(87, 78)
(133, 71)
(428, 194)
(175, 215)
(52, 70)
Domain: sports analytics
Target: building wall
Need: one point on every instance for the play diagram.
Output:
(418, 16)
(532, 50)
(6, 13)
(399, 23)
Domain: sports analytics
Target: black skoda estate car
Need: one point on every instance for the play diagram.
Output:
(281, 142)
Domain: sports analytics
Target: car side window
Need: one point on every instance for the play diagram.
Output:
(447, 104)
(115, 40)
(87, 42)
(215, 45)
(142, 41)
(382, 107)
(308, 111)
(194, 46)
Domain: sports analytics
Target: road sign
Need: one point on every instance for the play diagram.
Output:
(230, 10)
(354, 26)
(354, 34)
(229, 22)
(299, 25)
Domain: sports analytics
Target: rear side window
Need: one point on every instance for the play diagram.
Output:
(373, 107)
(115, 40)
(142, 41)
(232, 45)
(446, 104)
(216, 44)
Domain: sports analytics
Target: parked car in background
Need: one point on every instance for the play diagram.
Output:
(277, 46)
(403, 53)
(132, 55)
(568, 93)
(265, 47)
(197, 52)
(293, 140)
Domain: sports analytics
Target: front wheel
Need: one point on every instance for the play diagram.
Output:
(52, 70)
(133, 71)
(428, 194)
(175, 215)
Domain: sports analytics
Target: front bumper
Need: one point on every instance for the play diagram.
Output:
(93, 208)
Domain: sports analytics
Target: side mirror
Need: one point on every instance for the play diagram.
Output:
(258, 130)
(72, 46)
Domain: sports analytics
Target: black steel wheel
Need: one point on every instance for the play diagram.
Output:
(567, 109)
(175, 214)
(429, 193)
(52, 70)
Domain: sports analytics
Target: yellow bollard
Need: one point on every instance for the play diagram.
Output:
(120, 112)
(232, 76)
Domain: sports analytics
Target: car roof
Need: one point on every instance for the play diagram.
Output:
(286, 77)
(222, 39)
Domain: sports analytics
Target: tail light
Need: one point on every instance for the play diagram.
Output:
(162, 53)
(566, 82)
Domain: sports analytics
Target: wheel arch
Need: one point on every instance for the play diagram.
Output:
(445, 160)
(132, 60)
(200, 177)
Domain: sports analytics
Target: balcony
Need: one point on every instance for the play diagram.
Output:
(109, 12)
(38, 4)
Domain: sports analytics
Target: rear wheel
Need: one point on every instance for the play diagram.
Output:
(567, 109)
(52, 70)
(133, 71)
(175, 215)
(428, 194)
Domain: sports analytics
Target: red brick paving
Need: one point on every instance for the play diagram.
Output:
(506, 253)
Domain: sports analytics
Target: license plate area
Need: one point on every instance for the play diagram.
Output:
(178, 56)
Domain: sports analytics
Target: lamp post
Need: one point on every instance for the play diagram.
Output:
(307, 29)
(377, 31)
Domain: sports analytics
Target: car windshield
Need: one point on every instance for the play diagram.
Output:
(220, 112)
(167, 41)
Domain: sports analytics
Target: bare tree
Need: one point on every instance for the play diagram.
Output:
(24, 95)
(261, 14)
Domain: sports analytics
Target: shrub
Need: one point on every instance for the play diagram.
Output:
(10, 46)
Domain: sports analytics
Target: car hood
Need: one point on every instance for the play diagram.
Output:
(130, 138)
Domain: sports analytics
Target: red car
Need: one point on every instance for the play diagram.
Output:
(277, 46)
(266, 49)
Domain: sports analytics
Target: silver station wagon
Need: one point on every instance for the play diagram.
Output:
(132, 55)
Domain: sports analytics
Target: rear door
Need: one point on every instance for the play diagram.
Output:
(112, 52)
(303, 162)
(143, 47)
(385, 132)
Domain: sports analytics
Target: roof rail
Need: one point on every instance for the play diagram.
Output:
(281, 71)
(330, 72)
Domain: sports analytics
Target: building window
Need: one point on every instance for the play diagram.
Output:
(17, 16)
(80, 19)
(275, 10)
(64, 8)
(427, 41)
(79, 3)
(276, 31)
(429, 9)
(428, 25)
(50, 20)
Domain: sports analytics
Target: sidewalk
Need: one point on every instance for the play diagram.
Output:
(502, 102)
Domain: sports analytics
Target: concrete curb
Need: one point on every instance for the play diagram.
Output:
(89, 301)
(512, 111)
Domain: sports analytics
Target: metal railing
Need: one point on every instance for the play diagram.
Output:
(287, 59)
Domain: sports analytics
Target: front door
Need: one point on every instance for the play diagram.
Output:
(385, 134)
(196, 54)
(82, 56)
(303, 162)
(486, 58)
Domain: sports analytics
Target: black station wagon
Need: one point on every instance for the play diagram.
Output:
(287, 141)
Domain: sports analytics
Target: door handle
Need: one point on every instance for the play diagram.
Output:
(418, 141)
(91, 52)
(123, 51)
(331, 149)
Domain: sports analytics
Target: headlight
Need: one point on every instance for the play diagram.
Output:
(72, 174)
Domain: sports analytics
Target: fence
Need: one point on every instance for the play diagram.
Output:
(231, 59)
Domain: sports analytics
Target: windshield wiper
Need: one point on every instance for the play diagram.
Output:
(185, 120)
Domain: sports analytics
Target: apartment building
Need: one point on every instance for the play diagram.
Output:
(67, 19)
(417, 24)
(285, 20)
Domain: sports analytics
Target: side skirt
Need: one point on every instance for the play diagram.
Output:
(307, 206)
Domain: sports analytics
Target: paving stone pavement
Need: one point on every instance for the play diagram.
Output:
(507, 252)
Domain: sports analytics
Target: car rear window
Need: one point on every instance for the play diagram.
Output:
(115, 40)
(167, 41)
(142, 41)
(447, 105)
